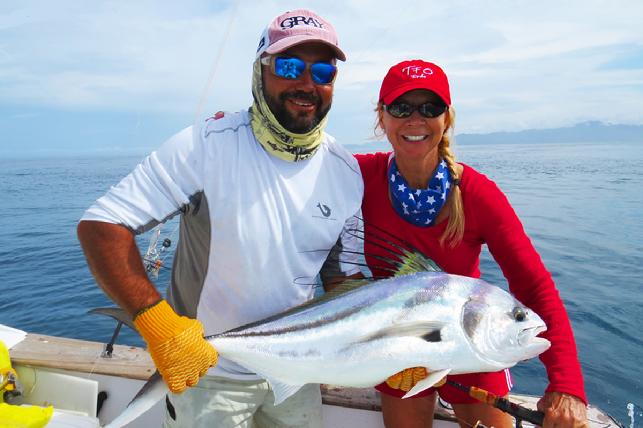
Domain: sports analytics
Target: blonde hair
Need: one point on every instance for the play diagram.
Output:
(455, 227)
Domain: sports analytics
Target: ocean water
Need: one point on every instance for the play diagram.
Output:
(582, 205)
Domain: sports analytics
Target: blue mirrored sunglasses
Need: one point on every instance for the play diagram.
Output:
(323, 73)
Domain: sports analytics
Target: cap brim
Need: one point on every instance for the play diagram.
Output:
(401, 90)
(289, 42)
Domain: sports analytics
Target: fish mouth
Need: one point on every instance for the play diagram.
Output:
(529, 337)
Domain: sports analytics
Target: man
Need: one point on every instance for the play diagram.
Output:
(260, 193)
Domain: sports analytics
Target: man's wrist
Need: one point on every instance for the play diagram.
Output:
(146, 308)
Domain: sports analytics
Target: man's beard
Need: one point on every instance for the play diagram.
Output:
(299, 124)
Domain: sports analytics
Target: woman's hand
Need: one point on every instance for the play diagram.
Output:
(563, 411)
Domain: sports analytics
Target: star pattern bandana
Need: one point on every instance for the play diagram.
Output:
(419, 206)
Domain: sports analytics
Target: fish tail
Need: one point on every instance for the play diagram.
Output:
(152, 392)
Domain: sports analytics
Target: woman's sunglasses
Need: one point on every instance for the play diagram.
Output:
(401, 110)
(323, 73)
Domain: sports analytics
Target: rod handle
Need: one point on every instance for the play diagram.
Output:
(534, 416)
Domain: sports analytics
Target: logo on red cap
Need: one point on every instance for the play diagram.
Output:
(414, 74)
(417, 72)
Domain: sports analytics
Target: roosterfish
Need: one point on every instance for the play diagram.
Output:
(365, 331)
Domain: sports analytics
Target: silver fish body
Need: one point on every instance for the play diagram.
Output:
(445, 323)
(358, 339)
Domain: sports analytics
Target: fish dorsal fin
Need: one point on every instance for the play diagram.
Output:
(427, 382)
(401, 255)
(406, 262)
(428, 331)
(414, 262)
(282, 390)
(409, 262)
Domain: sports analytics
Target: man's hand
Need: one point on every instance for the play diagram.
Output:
(407, 378)
(177, 346)
(563, 411)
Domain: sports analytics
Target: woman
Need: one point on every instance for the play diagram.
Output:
(448, 210)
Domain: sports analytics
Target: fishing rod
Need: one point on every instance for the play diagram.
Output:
(519, 412)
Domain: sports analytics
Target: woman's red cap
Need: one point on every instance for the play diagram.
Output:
(415, 74)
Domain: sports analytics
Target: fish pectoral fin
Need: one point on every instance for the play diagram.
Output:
(427, 382)
(428, 331)
(282, 390)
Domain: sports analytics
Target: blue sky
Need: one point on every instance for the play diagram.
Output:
(119, 77)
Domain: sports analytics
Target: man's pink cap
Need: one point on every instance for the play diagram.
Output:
(295, 27)
(415, 74)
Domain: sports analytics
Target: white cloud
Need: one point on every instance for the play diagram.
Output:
(512, 65)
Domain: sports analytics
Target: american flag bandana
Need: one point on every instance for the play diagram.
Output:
(419, 206)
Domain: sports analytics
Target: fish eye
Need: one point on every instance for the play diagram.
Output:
(519, 314)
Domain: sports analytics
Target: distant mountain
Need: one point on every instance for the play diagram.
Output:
(585, 132)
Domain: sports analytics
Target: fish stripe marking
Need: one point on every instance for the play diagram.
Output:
(243, 332)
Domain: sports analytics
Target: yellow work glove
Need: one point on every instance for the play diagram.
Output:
(7, 373)
(24, 416)
(176, 344)
(407, 378)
